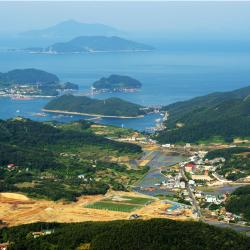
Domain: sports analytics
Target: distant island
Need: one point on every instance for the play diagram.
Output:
(116, 83)
(70, 29)
(82, 105)
(32, 82)
(93, 44)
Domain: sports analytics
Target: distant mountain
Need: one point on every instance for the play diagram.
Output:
(70, 29)
(116, 83)
(218, 114)
(85, 105)
(93, 44)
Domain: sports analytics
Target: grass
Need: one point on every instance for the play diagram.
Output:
(137, 200)
(126, 204)
(119, 207)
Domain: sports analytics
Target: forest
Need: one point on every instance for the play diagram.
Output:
(83, 104)
(125, 235)
(218, 114)
(239, 202)
(44, 160)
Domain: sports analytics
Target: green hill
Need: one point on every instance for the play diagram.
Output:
(28, 76)
(33, 82)
(226, 115)
(239, 202)
(125, 235)
(49, 157)
(85, 105)
(116, 83)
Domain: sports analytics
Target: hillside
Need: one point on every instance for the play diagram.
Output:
(46, 159)
(226, 115)
(237, 162)
(116, 83)
(70, 29)
(28, 76)
(125, 235)
(32, 82)
(85, 105)
(93, 44)
(239, 202)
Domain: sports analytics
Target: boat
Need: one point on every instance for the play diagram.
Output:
(39, 114)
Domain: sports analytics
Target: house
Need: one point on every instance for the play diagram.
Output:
(182, 184)
(41, 233)
(134, 216)
(201, 177)
(189, 167)
(191, 182)
(210, 198)
(81, 176)
(4, 246)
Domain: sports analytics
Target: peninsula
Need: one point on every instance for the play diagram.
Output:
(116, 83)
(82, 105)
(32, 82)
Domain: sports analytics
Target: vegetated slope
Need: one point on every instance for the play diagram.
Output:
(97, 43)
(28, 76)
(239, 202)
(117, 82)
(82, 104)
(237, 162)
(126, 235)
(218, 114)
(49, 158)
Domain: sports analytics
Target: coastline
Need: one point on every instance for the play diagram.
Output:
(29, 96)
(89, 114)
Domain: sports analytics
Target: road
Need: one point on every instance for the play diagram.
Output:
(191, 195)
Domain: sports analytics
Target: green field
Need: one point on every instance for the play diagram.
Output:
(126, 204)
(119, 207)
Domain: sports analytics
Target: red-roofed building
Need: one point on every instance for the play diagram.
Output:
(190, 167)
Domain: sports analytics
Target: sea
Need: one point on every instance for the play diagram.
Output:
(167, 76)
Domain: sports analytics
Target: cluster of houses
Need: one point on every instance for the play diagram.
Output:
(9, 167)
(19, 90)
(202, 170)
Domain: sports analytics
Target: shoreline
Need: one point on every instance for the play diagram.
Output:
(89, 114)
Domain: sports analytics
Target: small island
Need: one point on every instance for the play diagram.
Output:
(90, 44)
(116, 83)
(83, 105)
(27, 83)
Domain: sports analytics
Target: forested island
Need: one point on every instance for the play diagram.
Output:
(116, 83)
(83, 105)
(225, 115)
(141, 234)
(93, 44)
(32, 82)
(61, 161)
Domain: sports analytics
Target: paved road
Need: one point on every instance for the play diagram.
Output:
(191, 195)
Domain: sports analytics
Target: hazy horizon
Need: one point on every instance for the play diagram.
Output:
(213, 20)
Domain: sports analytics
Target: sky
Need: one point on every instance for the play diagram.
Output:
(231, 18)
